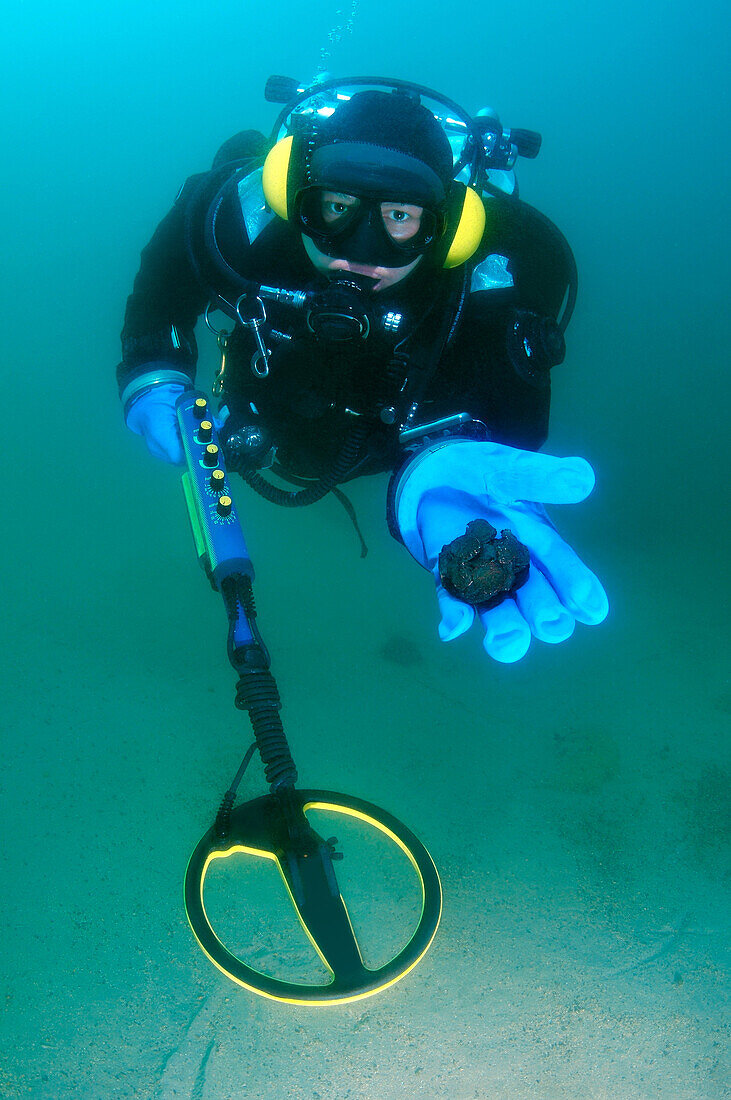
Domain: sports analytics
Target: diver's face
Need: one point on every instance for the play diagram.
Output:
(402, 222)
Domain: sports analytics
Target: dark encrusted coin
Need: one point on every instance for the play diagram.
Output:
(482, 569)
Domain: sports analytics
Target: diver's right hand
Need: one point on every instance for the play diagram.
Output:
(152, 415)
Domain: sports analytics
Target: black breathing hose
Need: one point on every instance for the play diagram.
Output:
(297, 498)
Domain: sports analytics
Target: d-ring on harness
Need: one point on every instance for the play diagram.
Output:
(275, 826)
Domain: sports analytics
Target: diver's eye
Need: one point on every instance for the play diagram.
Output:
(400, 217)
(402, 220)
(334, 206)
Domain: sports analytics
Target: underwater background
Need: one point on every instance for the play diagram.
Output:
(576, 803)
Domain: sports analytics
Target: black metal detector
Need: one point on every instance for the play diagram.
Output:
(275, 826)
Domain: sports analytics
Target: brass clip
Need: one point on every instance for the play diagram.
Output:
(219, 380)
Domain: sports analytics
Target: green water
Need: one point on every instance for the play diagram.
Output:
(576, 803)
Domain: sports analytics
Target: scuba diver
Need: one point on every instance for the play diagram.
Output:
(392, 306)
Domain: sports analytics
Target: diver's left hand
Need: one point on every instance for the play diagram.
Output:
(449, 485)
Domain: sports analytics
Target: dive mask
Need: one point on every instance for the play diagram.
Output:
(366, 230)
(370, 205)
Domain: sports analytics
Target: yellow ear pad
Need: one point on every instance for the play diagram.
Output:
(470, 229)
(274, 176)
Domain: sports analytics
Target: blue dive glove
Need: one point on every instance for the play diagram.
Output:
(453, 482)
(149, 411)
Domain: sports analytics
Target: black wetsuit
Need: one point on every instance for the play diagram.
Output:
(303, 401)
